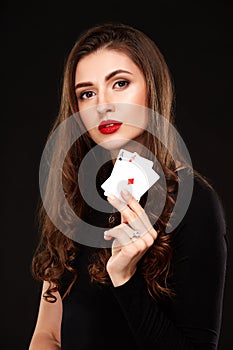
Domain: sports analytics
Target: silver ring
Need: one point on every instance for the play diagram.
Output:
(135, 234)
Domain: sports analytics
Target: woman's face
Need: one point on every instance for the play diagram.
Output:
(110, 89)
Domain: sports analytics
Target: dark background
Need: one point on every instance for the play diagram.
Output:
(196, 40)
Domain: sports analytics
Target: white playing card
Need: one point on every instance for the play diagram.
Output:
(144, 162)
(131, 172)
(127, 176)
(122, 155)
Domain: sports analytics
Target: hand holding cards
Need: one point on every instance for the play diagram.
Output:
(131, 172)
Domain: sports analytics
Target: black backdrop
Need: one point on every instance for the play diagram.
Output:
(196, 40)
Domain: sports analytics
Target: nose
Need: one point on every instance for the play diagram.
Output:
(104, 108)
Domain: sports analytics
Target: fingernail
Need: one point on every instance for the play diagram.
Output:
(125, 192)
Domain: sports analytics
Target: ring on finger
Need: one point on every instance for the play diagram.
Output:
(135, 234)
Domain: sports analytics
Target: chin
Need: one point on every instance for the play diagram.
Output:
(114, 144)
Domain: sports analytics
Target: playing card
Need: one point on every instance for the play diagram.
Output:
(131, 172)
(123, 155)
(144, 162)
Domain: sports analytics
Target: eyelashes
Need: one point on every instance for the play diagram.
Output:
(86, 95)
(118, 85)
(122, 83)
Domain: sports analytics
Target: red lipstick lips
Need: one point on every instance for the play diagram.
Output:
(109, 126)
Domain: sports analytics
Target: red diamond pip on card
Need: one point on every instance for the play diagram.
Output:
(130, 181)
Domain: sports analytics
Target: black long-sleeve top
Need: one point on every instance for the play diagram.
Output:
(128, 317)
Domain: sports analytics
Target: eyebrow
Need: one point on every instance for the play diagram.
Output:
(109, 76)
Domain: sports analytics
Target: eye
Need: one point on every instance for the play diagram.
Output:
(86, 95)
(121, 83)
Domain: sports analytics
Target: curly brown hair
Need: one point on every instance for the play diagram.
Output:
(55, 251)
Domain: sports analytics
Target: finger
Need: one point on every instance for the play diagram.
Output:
(123, 219)
(131, 212)
(137, 208)
(120, 233)
(123, 208)
(123, 235)
(131, 201)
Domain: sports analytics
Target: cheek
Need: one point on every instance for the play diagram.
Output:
(143, 97)
(139, 96)
(92, 135)
(135, 114)
(145, 121)
(89, 118)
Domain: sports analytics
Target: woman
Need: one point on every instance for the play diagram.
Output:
(148, 287)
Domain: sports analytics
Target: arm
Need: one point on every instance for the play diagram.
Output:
(192, 319)
(46, 335)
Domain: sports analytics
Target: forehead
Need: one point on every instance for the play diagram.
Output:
(102, 62)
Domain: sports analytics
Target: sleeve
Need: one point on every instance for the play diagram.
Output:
(191, 320)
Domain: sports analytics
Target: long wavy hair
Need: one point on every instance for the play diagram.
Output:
(56, 252)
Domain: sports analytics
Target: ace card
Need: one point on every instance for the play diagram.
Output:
(131, 172)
